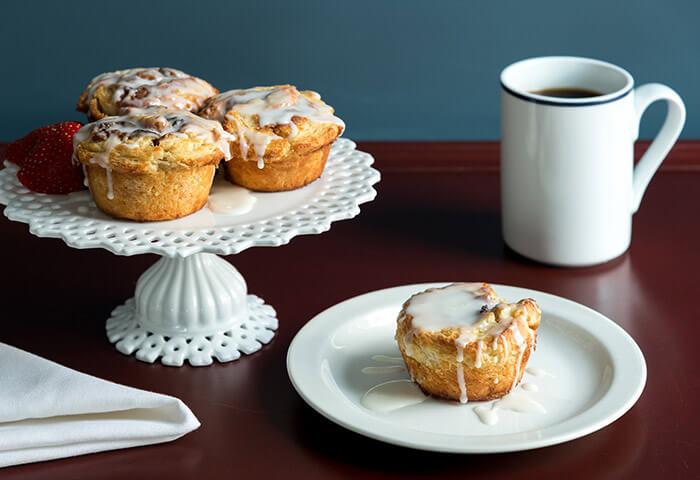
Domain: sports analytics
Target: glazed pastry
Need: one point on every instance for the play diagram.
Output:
(152, 164)
(462, 342)
(284, 136)
(114, 93)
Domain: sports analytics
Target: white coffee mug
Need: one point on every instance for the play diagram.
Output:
(569, 186)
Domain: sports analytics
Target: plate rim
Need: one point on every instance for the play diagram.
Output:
(633, 386)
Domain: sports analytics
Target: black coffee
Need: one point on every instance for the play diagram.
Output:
(567, 92)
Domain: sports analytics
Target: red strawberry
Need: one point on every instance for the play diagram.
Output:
(18, 150)
(48, 168)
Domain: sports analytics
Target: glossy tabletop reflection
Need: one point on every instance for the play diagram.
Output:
(436, 218)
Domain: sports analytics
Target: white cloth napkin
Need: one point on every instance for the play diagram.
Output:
(49, 411)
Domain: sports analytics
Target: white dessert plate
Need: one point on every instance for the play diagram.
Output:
(587, 372)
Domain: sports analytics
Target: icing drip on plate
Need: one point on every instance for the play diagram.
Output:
(514, 401)
(393, 365)
(530, 387)
(388, 359)
(383, 370)
(271, 106)
(228, 199)
(393, 395)
(538, 372)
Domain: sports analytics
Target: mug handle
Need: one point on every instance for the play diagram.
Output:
(667, 136)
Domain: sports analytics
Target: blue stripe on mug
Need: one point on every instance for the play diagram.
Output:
(564, 103)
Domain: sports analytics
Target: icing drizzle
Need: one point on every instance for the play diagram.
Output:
(146, 87)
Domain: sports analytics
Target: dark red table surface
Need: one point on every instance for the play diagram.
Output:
(436, 218)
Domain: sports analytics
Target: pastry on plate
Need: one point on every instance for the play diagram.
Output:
(462, 342)
(113, 93)
(284, 135)
(152, 164)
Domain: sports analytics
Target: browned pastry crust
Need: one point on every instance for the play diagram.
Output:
(432, 357)
(293, 172)
(148, 197)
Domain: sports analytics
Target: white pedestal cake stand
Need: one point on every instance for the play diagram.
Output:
(192, 305)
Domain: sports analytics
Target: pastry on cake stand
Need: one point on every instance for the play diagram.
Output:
(192, 305)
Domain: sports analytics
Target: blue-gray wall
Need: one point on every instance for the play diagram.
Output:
(392, 69)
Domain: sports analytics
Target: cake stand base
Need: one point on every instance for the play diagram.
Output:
(248, 337)
(194, 308)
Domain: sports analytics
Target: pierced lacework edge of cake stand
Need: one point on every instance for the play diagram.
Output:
(131, 338)
(347, 183)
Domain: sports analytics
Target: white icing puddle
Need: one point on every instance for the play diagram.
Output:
(388, 359)
(487, 414)
(396, 365)
(393, 395)
(229, 199)
(538, 372)
(515, 401)
(383, 370)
